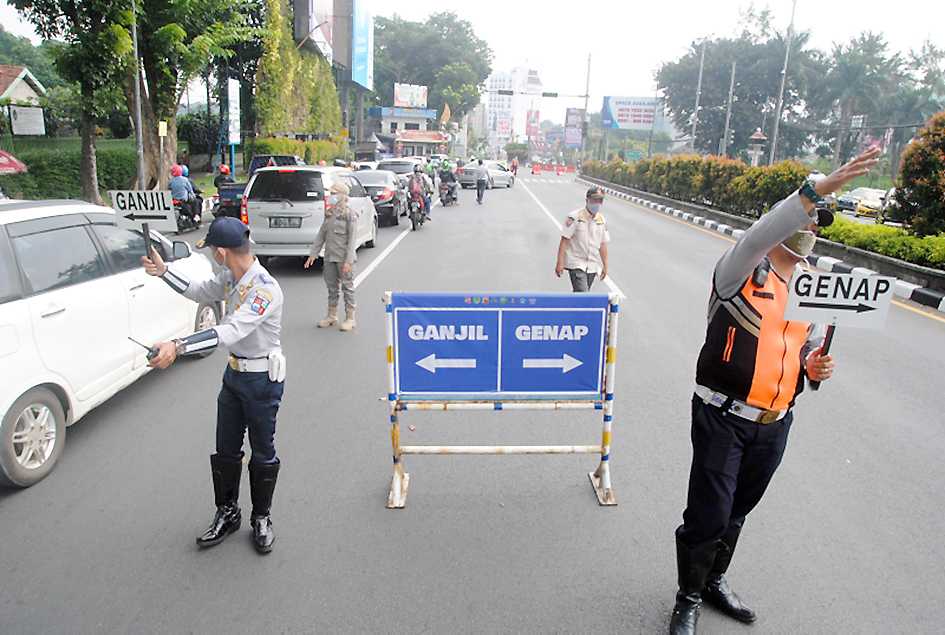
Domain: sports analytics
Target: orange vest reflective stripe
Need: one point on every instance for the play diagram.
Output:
(751, 353)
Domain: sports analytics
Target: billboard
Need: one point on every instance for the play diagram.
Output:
(362, 45)
(27, 120)
(629, 113)
(410, 96)
(533, 125)
(573, 126)
(233, 110)
(313, 20)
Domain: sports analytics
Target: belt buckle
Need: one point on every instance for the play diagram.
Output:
(769, 416)
(234, 363)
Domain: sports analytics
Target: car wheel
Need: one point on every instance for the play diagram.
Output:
(33, 436)
(511, 182)
(370, 244)
(395, 216)
(207, 317)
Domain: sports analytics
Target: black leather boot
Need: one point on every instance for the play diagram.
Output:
(262, 482)
(717, 592)
(693, 564)
(226, 490)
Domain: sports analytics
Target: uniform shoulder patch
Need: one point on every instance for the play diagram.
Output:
(599, 219)
(264, 278)
(260, 302)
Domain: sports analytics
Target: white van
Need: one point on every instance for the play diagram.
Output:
(72, 291)
(285, 206)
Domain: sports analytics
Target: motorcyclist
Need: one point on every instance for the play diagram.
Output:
(419, 187)
(182, 189)
(515, 166)
(223, 177)
(448, 177)
(196, 207)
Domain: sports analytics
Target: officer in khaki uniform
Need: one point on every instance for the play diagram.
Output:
(583, 247)
(339, 236)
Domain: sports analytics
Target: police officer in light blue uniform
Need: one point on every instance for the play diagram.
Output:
(254, 379)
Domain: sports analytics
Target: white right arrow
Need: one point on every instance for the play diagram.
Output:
(431, 363)
(566, 363)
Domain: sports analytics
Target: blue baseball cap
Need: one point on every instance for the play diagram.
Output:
(225, 232)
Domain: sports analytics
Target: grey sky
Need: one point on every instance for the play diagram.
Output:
(629, 39)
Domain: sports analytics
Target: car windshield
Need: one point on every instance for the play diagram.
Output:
(375, 177)
(295, 185)
(397, 167)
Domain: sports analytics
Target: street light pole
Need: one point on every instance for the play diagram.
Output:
(787, 56)
(695, 114)
(139, 133)
(723, 148)
(587, 119)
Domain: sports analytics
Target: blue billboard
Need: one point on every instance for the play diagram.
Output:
(362, 45)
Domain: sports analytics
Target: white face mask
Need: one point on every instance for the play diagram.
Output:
(801, 244)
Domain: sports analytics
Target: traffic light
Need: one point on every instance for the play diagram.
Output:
(731, 137)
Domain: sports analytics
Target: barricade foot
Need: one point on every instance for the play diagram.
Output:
(605, 495)
(397, 498)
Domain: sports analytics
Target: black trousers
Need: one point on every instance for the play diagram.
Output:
(733, 460)
(480, 190)
(248, 401)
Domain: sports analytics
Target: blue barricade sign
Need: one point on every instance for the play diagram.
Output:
(499, 346)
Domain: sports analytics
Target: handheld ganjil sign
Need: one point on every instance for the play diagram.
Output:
(839, 299)
(143, 210)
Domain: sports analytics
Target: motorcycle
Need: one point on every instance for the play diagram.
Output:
(185, 217)
(448, 194)
(416, 213)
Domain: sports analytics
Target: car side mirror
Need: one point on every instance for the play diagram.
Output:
(181, 250)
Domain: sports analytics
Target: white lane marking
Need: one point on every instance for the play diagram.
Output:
(361, 277)
(609, 281)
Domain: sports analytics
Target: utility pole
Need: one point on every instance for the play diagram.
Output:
(139, 133)
(695, 114)
(656, 106)
(587, 119)
(787, 56)
(723, 146)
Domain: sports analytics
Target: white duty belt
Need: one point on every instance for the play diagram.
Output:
(240, 365)
(739, 408)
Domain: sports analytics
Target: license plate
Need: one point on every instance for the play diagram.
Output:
(285, 222)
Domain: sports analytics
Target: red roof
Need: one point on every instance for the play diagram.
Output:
(8, 75)
(422, 136)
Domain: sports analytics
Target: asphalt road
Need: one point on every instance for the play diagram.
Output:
(848, 538)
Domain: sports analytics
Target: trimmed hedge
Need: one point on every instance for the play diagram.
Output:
(54, 173)
(734, 187)
(928, 251)
(311, 151)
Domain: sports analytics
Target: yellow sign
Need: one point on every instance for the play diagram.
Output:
(162, 128)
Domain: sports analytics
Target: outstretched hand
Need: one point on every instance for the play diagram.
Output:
(858, 166)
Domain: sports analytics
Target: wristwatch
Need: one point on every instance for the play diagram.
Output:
(807, 191)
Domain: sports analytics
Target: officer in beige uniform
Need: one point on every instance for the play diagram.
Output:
(338, 235)
(583, 247)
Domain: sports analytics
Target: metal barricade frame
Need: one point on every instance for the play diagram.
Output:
(600, 478)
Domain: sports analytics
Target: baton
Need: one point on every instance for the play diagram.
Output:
(815, 385)
(152, 351)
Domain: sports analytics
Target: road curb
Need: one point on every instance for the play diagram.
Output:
(905, 290)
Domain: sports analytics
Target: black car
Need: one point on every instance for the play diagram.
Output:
(388, 193)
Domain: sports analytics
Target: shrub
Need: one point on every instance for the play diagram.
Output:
(928, 251)
(921, 194)
(54, 173)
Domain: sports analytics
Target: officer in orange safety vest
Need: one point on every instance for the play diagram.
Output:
(750, 370)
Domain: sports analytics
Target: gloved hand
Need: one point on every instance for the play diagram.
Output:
(277, 367)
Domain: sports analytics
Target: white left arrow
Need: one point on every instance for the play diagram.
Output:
(431, 363)
(566, 363)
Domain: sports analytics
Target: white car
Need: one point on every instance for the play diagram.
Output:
(285, 207)
(72, 291)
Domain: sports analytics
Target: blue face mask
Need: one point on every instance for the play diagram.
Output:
(333, 199)
(594, 208)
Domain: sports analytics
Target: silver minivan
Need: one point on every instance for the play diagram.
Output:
(285, 206)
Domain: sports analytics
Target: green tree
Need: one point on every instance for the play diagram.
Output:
(40, 60)
(177, 40)
(921, 192)
(442, 53)
(95, 56)
(517, 150)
